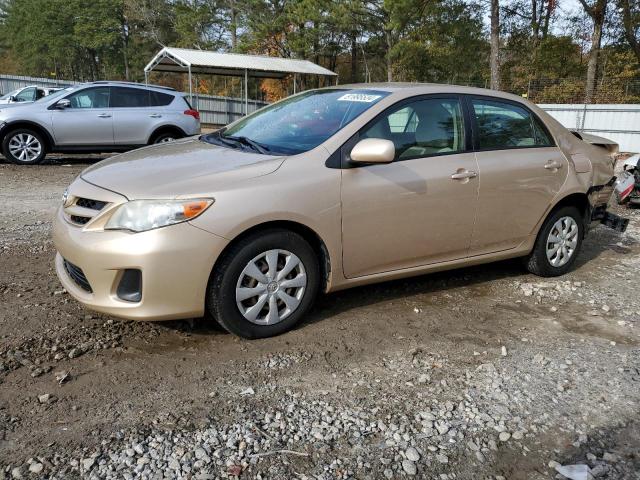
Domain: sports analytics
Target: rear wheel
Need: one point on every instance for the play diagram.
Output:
(264, 285)
(558, 243)
(166, 137)
(24, 147)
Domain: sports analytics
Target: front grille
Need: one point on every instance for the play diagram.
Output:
(80, 220)
(77, 275)
(90, 204)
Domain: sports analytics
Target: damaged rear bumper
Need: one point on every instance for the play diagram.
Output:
(608, 219)
(599, 199)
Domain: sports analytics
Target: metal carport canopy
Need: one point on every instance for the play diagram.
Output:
(203, 62)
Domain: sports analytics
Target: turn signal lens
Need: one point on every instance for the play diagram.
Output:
(193, 209)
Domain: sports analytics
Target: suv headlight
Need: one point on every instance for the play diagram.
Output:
(142, 215)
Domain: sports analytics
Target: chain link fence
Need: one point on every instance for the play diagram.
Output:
(570, 90)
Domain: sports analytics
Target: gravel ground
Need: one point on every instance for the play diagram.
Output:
(479, 373)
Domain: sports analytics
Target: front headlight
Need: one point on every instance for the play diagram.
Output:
(142, 215)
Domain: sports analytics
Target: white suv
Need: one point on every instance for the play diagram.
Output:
(95, 117)
(27, 94)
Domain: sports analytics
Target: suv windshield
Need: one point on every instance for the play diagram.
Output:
(297, 124)
(7, 96)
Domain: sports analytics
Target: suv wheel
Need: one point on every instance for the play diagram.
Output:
(264, 285)
(24, 147)
(165, 138)
(558, 243)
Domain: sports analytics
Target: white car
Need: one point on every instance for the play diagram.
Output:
(27, 94)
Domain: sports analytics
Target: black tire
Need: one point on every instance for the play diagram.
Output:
(221, 291)
(164, 137)
(24, 133)
(537, 262)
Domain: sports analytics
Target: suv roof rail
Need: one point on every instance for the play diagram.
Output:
(137, 84)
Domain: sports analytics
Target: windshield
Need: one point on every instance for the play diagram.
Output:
(6, 96)
(299, 123)
(57, 94)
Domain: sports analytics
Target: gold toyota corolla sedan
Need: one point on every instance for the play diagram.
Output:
(326, 190)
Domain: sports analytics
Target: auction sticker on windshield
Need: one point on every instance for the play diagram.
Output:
(359, 97)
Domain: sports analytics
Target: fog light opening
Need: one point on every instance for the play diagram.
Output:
(130, 286)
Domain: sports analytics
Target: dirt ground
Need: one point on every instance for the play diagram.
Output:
(485, 372)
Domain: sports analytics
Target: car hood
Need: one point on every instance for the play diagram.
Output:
(184, 168)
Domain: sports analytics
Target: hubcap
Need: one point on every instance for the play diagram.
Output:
(165, 139)
(562, 241)
(271, 287)
(25, 147)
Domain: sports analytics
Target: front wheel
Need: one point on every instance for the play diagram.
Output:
(558, 243)
(24, 147)
(264, 285)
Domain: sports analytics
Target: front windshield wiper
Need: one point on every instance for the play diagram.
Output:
(236, 142)
(258, 147)
(219, 140)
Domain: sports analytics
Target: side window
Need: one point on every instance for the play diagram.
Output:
(26, 95)
(123, 97)
(505, 125)
(90, 98)
(157, 99)
(421, 128)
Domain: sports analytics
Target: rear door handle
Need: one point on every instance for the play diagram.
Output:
(552, 165)
(155, 115)
(104, 115)
(463, 175)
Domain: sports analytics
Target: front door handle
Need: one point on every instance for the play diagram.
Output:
(552, 165)
(104, 115)
(155, 115)
(463, 174)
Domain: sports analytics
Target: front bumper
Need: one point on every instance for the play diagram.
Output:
(175, 263)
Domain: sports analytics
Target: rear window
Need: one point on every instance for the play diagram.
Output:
(157, 99)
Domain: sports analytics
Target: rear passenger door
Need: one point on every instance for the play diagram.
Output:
(521, 171)
(137, 112)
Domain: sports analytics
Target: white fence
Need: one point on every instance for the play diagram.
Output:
(620, 123)
(215, 110)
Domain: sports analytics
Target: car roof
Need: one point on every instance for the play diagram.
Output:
(118, 83)
(429, 88)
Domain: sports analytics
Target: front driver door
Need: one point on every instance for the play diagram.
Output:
(88, 121)
(411, 212)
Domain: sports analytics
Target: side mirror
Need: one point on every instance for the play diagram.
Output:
(12, 98)
(373, 150)
(62, 104)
